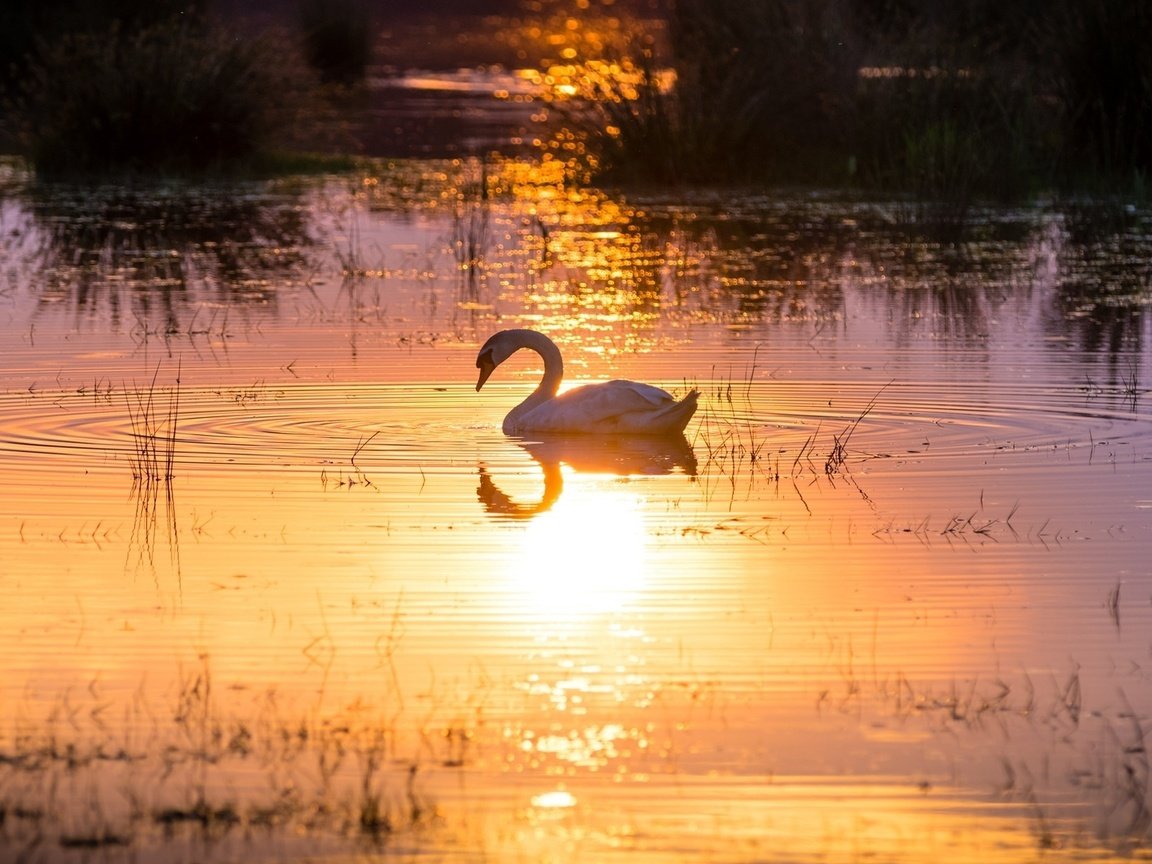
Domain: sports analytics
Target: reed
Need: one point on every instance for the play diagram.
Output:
(1100, 74)
(471, 229)
(1112, 604)
(172, 779)
(153, 466)
(756, 95)
(733, 441)
(947, 103)
(153, 434)
(192, 780)
(838, 455)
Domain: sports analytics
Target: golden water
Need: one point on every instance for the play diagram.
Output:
(277, 585)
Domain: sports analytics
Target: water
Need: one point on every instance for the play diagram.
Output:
(277, 585)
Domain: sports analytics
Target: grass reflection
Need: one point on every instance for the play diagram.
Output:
(520, 237)
(154, 257)
(472, 241)
(846, 588)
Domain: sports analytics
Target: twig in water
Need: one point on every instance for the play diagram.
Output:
(1113, 605)
(839, 452)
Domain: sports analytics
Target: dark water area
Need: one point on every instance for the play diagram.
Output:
(278, 586)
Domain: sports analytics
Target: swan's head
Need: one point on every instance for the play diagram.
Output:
(486, 366)
(496, 350)
(500, 346)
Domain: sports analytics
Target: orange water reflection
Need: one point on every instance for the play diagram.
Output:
(586, 556)
(354, 595)
(632, 632)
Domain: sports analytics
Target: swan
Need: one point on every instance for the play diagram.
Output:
(613, 407)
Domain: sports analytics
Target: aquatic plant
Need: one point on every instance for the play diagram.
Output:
(728, 435)
(471, 230)
(328, 773)
(153, 464)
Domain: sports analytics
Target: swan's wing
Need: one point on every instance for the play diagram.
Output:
(598, 407)
(652, 395)
(612, 398)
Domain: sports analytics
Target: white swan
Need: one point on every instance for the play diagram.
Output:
(614, 407)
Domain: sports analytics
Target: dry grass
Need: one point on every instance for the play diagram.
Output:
(201, 766)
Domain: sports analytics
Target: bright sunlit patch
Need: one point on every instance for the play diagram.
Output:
(555, 800)
(586, 556)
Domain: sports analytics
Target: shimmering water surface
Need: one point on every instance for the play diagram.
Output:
(276, 585)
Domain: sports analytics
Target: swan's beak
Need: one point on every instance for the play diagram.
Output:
(486, 367)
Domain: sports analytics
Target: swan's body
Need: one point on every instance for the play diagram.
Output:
(612, 407)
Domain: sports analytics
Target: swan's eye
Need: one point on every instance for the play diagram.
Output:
(485, 359)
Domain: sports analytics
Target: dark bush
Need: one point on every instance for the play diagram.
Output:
(759, 92)
(24, 23)
(948, 130)
(951, 100)
(1101, 66)
(175, 96)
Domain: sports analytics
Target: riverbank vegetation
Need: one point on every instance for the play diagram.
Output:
(949, 100)
(127, 88)
(943, 101)
(175, 96)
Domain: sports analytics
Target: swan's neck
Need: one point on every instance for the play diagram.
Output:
(549, 384)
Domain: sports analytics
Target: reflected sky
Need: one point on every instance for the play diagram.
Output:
(891, 584)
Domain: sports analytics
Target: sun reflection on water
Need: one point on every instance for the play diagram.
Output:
(585, 557)
(554, 800)
(580, 574)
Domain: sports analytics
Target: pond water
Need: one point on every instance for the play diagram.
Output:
(277, 586)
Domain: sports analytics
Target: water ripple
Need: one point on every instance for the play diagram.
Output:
(320, 424)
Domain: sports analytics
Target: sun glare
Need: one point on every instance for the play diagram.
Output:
(586, 556)
(557, 799)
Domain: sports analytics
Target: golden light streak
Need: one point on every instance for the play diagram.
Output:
(585, 557)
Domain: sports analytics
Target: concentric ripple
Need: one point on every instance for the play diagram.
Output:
(900, 419)
(313, 424)
(244, 427)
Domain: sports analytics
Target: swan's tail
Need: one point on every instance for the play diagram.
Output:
(675, 417)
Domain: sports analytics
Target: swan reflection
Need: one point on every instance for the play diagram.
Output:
(623, 456)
